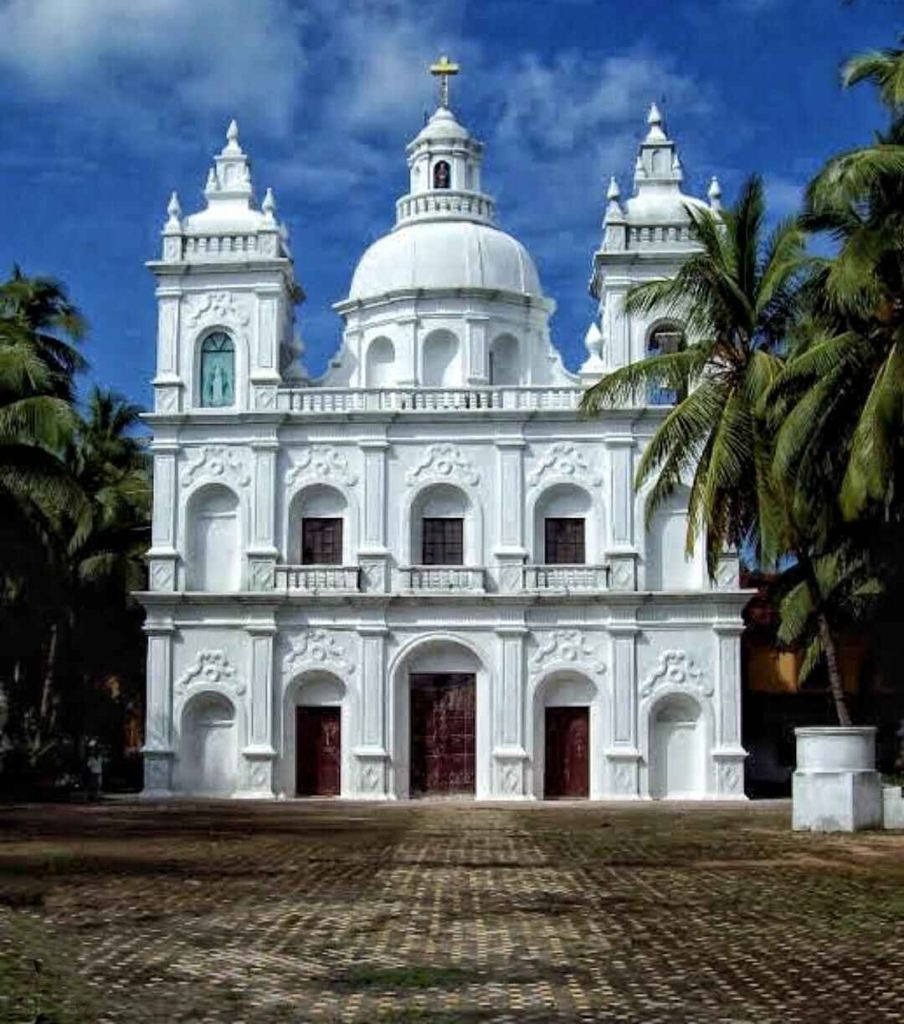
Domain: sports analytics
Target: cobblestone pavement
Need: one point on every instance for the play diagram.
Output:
(444, 913)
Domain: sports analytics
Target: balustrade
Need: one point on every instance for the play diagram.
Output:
(443, 578)
(315, 578)
(565, 577)
(312, 401)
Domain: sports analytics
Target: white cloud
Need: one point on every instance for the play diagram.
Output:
(132, 57)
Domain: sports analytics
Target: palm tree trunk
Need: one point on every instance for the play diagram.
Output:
(45, 716)
(836, 683)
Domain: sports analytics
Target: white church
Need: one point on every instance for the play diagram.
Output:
(424, 573)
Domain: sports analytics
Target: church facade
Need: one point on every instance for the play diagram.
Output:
(424, 573)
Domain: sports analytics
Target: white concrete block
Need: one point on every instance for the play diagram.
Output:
(836, 787)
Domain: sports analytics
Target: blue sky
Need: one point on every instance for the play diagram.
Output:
(111, 104)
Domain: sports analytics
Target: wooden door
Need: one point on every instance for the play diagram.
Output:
(318, 751)
(442, 733)
(567, 764)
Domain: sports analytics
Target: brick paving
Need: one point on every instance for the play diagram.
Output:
(441, 912)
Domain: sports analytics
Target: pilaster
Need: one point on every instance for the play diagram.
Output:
(262, 554)
(373, 555)
(728, 754)
(477, 370)
(158, 746)
(163, 556)
(621, 490)
(259, 756)
(409, 354)
(623, 756)
(371, 754)
(508, 701)
(511, 553)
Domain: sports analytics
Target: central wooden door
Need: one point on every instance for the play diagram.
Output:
(567, 764)
(442, 733)
(318, 751)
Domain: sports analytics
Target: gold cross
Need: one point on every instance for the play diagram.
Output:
(443, 68)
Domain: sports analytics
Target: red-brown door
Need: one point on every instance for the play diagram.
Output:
(442, 733)
(318, 751)
(567, 764)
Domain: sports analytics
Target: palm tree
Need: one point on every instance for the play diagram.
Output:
(739, 299)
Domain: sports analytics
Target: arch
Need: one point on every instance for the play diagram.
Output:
(441, 359)
(564, 499)
(217, 379)
(436, 652)
(505, 361)
(676, 747)
(435, 499)
(314, 688)
(666, 565)
(208, 745)
(315, 500)
(380, 363)
(442, 174)
(663, 337)
(213, 535)
(562, 687)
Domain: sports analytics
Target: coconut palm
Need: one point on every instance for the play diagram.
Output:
(737, 298)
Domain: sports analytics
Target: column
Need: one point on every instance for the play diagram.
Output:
(264, 368)
(263, 553)
(510, 551)
(373, 555)
(158, 741)
(371, 754)
(623, 757)
(259, 755)
(163, 556)
(728, 754)
(508, 699)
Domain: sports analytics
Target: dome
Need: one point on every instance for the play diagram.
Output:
(442, 125)
(661, 206)
(445, 254)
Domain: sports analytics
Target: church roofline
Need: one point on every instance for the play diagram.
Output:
(495, 294)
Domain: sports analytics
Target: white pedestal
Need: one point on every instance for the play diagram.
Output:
(836, 787)
(892, 807)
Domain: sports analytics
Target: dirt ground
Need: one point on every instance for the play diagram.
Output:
(444, 912)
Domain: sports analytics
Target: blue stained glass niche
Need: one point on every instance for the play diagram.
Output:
(217, 370)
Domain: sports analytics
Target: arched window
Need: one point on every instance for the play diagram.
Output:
(380, 367)
(441, 361)
(217, 370)
(560, 528)
(442, 176)
(665, 339)
(214, 543)
(504, 368)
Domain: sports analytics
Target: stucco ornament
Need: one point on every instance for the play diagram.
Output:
(315, 648)
(321, 463)
(215, 463)
(444, 462)
(565, 460)
(217, 308)
(677, 668)
(568, 646)
(210, 667)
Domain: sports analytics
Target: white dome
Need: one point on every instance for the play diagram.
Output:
(445, 254)
(661, 206)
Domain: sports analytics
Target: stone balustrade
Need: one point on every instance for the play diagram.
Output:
(442, 578)
(446, 203)
(225, 247)
(317, 578)
(570, 578)
(315, 401)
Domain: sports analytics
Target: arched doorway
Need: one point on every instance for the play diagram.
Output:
(209, 746)
(676, 749)
(562, 739)
(439, 721)
(314, 735)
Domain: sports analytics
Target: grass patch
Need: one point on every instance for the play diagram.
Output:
(401, 979)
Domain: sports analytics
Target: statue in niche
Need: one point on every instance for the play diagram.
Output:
(441, 175)
(217, 371)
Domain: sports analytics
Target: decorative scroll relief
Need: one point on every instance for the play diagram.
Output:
(217, 463)
(321, 463)
(677, 668)
(565, 460)
(315, 647)
(217, 308)
(730, 777)
(566, 645)
(211, 667)
(444, 461)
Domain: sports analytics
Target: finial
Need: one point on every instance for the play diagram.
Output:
(268, 206)
(173, 209)
(613, 192)
(212, 184)
(654, 120)
(715, 194)
(654, 116)
(444, 69)
(232, 133)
